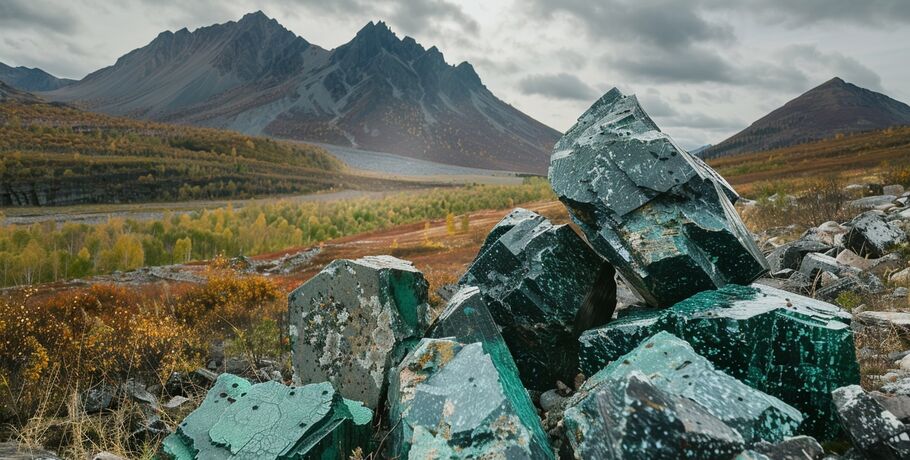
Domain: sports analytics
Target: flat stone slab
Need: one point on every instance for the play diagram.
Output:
(884, 318)
(544, 286)
(270, 421)
(789, 346)
(355, 320)
(871, 235)
(661, 216)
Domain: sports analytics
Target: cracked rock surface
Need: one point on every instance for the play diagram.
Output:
(662, 217)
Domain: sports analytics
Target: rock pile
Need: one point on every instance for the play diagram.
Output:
(715, 363)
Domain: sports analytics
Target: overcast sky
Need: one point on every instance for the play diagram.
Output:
(704, 69)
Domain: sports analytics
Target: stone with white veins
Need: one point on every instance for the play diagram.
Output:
(874, 431)
(662, 217)
(354, 321)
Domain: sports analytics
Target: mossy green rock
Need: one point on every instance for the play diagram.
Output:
(354, 321)
(538, 281)
(662, 217)
(788, 346)
(448, 400)
(271, 421)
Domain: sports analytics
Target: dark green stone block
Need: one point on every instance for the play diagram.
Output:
(467, 320)
(662, 217)
(630, 417)
(674, 367)
(539, 282)
(449, 400)
(788, 346)
(355, 320)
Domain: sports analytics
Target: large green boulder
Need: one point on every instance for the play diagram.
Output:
(355, 320)
(662, 217)
(544, 286)
(674, 367)
(789, 346)
(237, 420)
(449, 400)
(631, 418)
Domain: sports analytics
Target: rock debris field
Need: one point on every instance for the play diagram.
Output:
(662, 331)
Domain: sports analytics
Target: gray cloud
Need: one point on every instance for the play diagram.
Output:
(663, 23)
(26, 14)
(836, 63)
(557, 86)
(688, 65)
(802, 12)
(410, 16)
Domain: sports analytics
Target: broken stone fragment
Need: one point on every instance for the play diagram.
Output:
(355, 320)
(797, 447)
(448, 400)
(544, 286)
(871, 235)
(662, 217)
(874, 431)
(674, 367)
(270, 421)
(790, 255)
(631, 417)
(467, 319)
(792, 347)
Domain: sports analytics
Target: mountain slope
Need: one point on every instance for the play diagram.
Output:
(835, 107)
(10, 94)
(26, 79)
(376, 92)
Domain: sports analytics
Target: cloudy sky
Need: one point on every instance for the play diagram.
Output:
(703, 69)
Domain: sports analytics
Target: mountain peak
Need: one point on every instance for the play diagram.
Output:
(832, 108)
(255, 16)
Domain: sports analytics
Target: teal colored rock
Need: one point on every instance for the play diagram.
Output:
(269, 420)
(447, 400)
(783, 344)
(661, 216)
(544, 286)
(466, 319)
(672, 366)
(191, 440)
(355, 320)
(631, 418)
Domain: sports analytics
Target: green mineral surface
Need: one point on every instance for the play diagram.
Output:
(467, 320)
(271, 421)
(629, 417)
(355, 320)
(449, 400)
(788, 346)
(672, 366)
(538, 280)
(662, 217)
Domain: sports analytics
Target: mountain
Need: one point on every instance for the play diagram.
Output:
(10, 94)
(835, 107)
(26, 79)
(376, 92)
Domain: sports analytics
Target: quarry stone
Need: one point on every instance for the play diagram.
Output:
(790, 255)
(270, 421)
(796, 447)
(874, 431)
(630, 417)
(672, 366)
(792, 347)
(544, 286)
(661, 216)
(467, 319)
(447, 400)
(355, 320)
(871, 235)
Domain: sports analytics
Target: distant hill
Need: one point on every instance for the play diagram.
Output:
(26, 79)
(52, 154)
(835, 107)
(376, 92)
(10, 94)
